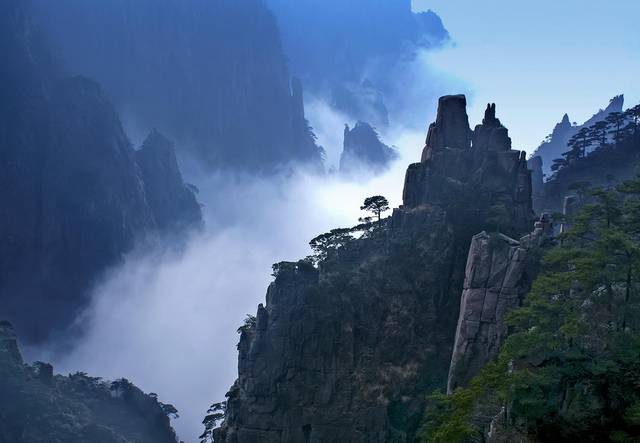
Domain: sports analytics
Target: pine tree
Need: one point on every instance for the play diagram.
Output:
(616, 120)
(598, 132)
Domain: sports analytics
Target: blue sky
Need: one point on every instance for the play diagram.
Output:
(539, 59)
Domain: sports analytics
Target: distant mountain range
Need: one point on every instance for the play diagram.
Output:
(556, 143)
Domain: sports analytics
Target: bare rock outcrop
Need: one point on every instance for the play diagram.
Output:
(348, 351)
(172, 202)
(363, 151)
(473, 173)
(497, 277)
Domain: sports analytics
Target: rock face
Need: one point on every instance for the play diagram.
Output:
(72, 200)
(537, 181)
(173, 204)
(38, 406)
(349, 350)
(556, 143)
(357, 63)
(211, 75)
(472, 171)
(497, 278)
(363, 151)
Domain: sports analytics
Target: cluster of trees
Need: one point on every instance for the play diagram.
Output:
(215, 415)
(570, 369)
(324, 245)
(616, 127)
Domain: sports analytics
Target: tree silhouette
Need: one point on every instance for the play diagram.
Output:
(598, 132)
(616, 120)
(633, 117)
(578, 145)
(325, 244)
(376, 204)
(216, 413)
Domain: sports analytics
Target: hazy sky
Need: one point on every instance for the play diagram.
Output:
(539, 59)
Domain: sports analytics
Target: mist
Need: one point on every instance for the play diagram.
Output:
(167, 320)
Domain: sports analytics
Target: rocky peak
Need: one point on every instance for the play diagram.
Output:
(172, 202)
(451, 128)
(556, 143)
(480, 166)
(362, 148)
(349, 351)
(491, 135)
(490, 116)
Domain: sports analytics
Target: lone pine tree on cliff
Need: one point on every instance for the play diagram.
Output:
(376, 204)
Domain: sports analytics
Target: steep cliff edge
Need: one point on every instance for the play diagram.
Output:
(38, 406)
(211, 75)
(173, 203)
(354, 52)
(498, 275)
(72, 199)
(346, 351)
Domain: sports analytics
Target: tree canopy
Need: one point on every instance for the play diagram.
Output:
(570, 370)
(376, 204)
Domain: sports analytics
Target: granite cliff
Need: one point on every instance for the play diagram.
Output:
(498, 275)
(347, 350)
(72, 197)
(172, 202)
(211, 75)
(352, 52)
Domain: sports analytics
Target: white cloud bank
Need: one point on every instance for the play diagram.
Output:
(168, 321)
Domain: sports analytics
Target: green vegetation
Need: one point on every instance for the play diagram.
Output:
(215, 414)
(570, 370)
(617, 126)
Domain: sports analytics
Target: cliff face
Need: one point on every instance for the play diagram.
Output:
(363, 150)
(498, 275)
(475, 174)
(173, 204)
(209, 74)
(38, 406)
(356, 62)
(72, 200)
(348, 351)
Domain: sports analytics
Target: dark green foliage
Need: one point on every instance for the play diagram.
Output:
(37, 407)
(215, 414)
(249, 321)
(570, 371)
(618, 125)
(327, 245)
(598, 131)
(578, 145)
(616, 121)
